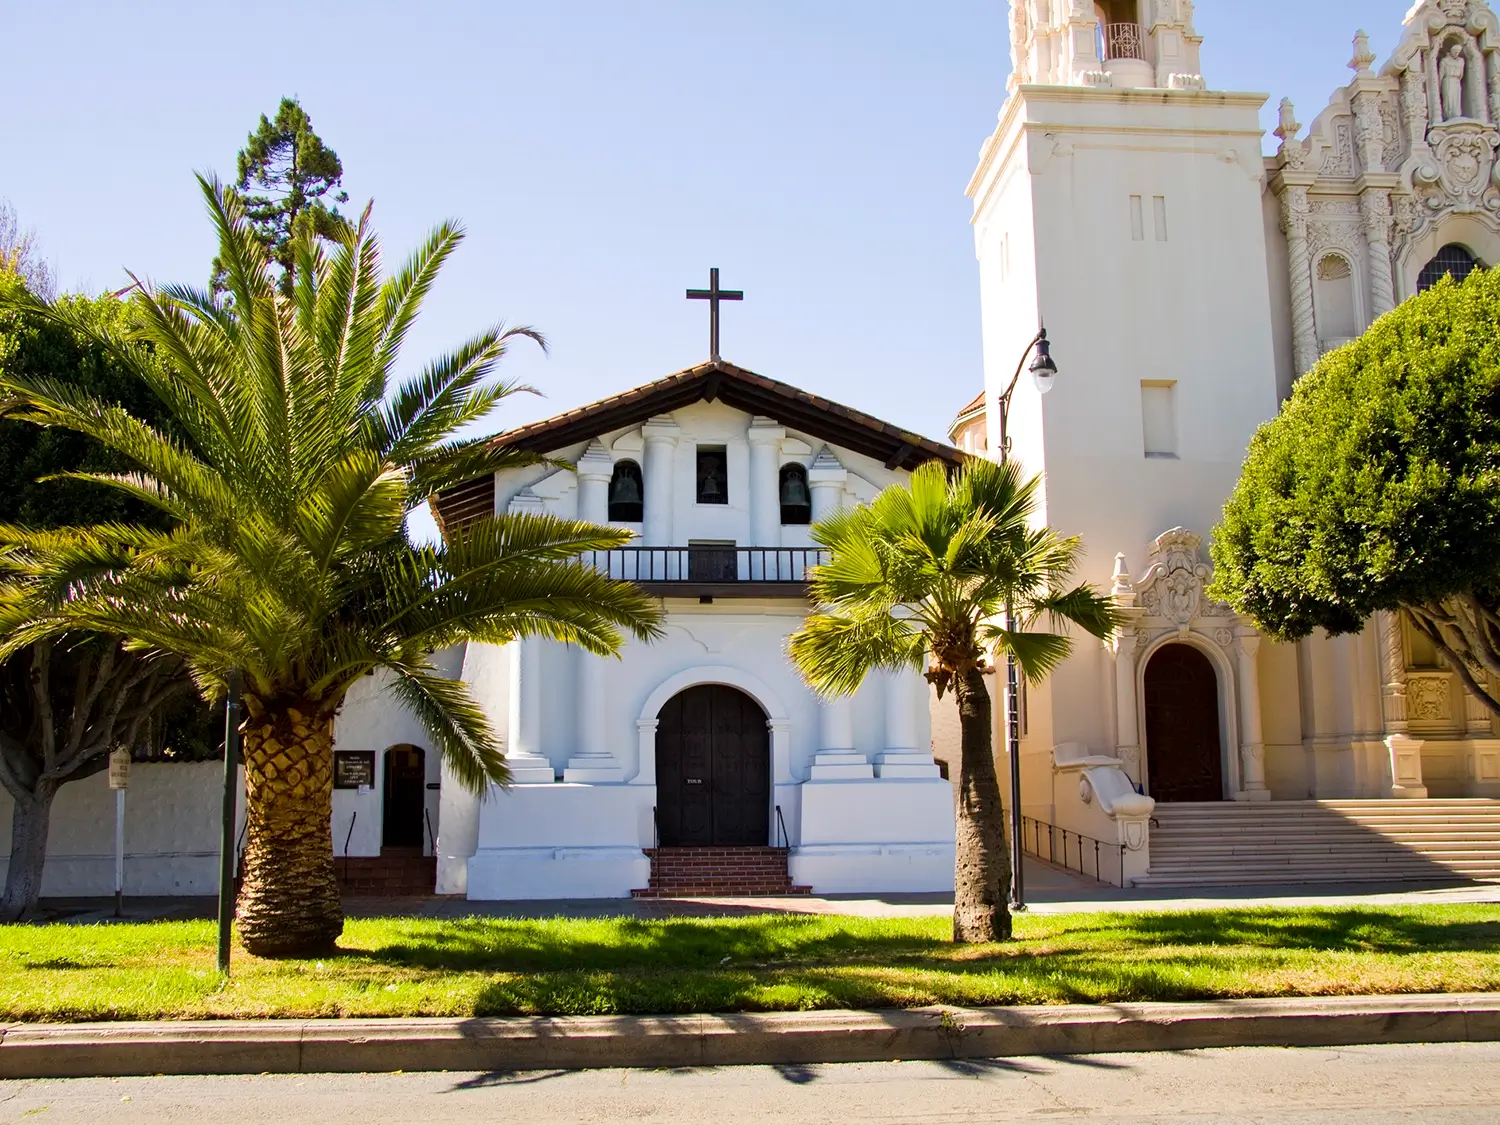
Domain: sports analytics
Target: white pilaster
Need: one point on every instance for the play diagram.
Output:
(902, 756)
(595, 469)
(660, 435)
(524, 743)
(1252, 744)
(593, 763)
(1127, 721)
(826, 480)
(645, 733)
(765, 482)
(837, 759)
(1404, 751)
(1127, 710)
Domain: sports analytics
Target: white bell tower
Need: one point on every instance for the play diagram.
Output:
(1124, 204)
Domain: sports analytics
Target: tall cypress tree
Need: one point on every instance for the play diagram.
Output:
(288, 176)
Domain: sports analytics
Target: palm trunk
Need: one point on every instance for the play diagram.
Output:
(981, 874)
(289, 903)
(28, 853)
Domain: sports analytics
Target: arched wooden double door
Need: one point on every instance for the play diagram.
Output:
(713, 770)
(1184, 759)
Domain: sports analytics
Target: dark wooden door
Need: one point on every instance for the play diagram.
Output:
(1184, 761)
(405, 797)
(713, 770)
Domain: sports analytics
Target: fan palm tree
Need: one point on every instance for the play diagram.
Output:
(287, 557)
(921, 579)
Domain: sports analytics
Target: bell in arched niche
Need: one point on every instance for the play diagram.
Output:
(626, 502)
(796, 499)
(713, 482)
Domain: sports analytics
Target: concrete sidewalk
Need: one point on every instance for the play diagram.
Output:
(1049, 890)
(572, 1043)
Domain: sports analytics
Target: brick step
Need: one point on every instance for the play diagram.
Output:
(387, 876)
(718, 872)
(716, 892)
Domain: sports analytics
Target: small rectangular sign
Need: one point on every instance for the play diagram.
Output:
(119, 769)
(354, 769)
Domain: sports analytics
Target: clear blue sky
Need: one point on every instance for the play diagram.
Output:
(603, 154)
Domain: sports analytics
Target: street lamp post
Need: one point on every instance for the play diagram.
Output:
(1043, 371)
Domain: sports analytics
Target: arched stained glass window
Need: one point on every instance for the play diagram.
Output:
(626, 496)
(1451, 259)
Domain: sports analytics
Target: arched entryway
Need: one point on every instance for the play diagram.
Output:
(405, 797)
(713, 770)
(1184, 745)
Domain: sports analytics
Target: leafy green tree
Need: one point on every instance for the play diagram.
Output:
(921, 579)
(65, 703)
(1378, 487)
(287, 557)
(286, 176)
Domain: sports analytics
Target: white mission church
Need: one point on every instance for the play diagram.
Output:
(1126, 202)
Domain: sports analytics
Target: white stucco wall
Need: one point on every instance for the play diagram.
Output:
(1187, 303)
(372, 720)
(172, 815)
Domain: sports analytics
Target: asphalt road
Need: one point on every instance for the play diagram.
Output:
(1394, 1085)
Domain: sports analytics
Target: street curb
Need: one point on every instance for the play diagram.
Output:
(581, 1042)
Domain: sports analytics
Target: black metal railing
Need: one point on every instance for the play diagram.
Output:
(431, 839)
(786, 841)
(1073, 851)
(347, 837)
(708, 565)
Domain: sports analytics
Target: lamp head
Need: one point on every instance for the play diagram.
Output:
(1043, 369)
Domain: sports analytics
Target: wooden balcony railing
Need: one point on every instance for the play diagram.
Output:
(711, 570)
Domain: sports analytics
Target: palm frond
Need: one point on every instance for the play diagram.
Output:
(456, 722)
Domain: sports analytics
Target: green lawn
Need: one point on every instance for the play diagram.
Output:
(407, 966)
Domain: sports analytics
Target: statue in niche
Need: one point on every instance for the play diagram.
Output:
(1451, 80)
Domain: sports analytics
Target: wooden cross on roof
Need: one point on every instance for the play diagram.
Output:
(713, 295)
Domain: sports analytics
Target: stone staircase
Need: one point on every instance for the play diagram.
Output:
(1232, 844)
(395, 873)
(718, 873)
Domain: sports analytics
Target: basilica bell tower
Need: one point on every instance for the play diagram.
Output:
(1122, 202)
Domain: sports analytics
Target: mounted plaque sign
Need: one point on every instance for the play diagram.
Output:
(354, 769)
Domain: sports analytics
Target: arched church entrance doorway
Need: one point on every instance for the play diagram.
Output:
(404, 797)
(713, 770)
(1183, 757)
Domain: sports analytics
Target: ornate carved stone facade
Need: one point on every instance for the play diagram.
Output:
(1396, 153)
(1170, 604)
(1058, 42)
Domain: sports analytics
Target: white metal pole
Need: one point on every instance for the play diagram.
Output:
(119, 852)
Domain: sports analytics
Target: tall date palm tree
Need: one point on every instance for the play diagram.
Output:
(287, 557)
(921, 579)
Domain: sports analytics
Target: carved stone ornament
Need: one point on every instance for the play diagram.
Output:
(1172, 588)
(1427, 697)
(1448, 66)
(1461, 175)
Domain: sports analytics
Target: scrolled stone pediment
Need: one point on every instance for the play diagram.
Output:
(1172, 590)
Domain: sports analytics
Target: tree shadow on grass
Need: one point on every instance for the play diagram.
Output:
(783, 941)
(1351, 929)
(530, 946)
